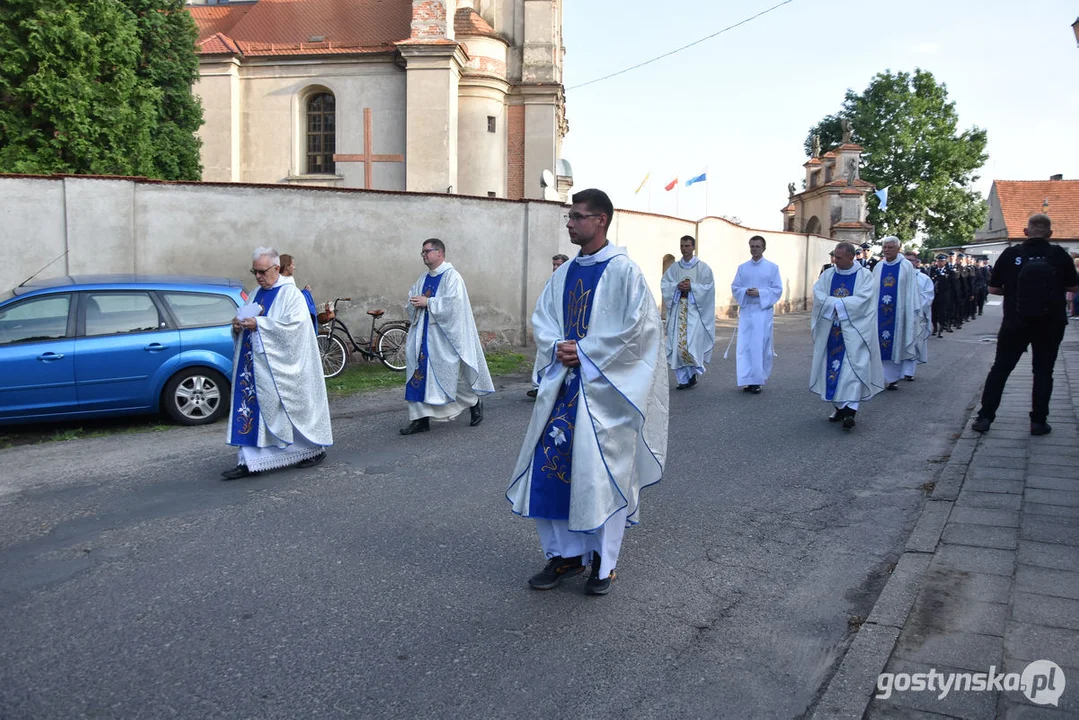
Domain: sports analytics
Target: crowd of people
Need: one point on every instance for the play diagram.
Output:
(598, 431)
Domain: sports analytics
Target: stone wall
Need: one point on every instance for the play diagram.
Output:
(362, 244)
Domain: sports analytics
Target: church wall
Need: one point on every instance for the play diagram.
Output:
(483, 154)
(351, 243)
(219, 89)
(274, 119)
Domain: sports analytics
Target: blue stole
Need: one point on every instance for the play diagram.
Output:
(889, 286)
(416, 388)
(842, 286)
(311, 307)
(550, 489)
(245, 402)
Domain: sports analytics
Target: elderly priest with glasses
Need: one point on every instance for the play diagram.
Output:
(279, 415)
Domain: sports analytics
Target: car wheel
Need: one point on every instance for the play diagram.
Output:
(196, 396)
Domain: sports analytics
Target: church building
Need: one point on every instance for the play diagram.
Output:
(438, 96)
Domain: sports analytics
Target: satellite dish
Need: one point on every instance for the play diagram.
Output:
(547, 179)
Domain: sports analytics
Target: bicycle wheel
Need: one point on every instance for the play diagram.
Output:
(333, 353)
(391, 346)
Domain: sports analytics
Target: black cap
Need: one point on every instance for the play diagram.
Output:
(941, 256)
(961, 255)
(866, 246)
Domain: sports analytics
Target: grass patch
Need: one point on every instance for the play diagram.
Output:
(364, 376)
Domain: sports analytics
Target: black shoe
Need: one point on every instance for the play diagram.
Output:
(557, 569)
(948, 330)
(755, 389)
(848, 421)
(417, 426)
(692, 381)
(532, 393)
(908, 378)
(838, 414)
(312, 461)
(596, 586)
(981, 424)
(681, 386)
(1040, 428)
(477, 414)
(892, 386)
(240, 471)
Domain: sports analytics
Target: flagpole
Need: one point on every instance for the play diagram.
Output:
(706, 189)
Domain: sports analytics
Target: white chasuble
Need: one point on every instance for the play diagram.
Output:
(925, 315)
(755, 318)
(899, 305)
(444, 360)
(691, 317)
(619, 432)
(846, 318)
(279, 413)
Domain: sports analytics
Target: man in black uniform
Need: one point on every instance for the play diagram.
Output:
(983, 283)
(943, 296)
(971, 275)
(1033, 278)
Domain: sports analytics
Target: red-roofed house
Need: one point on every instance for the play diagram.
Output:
(418, 95)
(1012, 202)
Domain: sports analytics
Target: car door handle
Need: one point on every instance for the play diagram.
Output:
(50, 357)
(155, 347)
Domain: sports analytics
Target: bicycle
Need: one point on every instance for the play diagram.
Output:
(386, 343)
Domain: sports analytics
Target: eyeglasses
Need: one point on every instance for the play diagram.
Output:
(577, 217)
(423, 253)
(263, 272)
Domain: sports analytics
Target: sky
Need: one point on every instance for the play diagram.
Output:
(741, 104)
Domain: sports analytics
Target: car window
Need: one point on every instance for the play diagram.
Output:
(200, 309)
(41, 318)
(120, 312)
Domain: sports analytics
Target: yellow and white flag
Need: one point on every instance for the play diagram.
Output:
(643, 182)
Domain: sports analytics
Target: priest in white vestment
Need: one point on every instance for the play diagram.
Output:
(925, 312)
(598, 432)
(690, 292)
(757, 287)
(444, 362)
(279, 415)
(846, 366)
(898, 306)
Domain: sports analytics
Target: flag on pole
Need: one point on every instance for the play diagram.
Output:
(882, 195)
(700, 178)
(641, 186)
(671, 185)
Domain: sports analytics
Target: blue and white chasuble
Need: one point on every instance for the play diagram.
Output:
(889, 286)
(550, 489)
(842, 287)
(416, 388)
(245, 401)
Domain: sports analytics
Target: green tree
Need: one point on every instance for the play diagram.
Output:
(908, 128)
(168, 33)
(98, 87)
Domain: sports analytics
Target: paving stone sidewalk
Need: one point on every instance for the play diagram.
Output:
(990, 575)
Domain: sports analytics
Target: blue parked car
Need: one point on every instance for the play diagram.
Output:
(101, 345)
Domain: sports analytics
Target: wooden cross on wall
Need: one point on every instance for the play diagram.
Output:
(367, 158)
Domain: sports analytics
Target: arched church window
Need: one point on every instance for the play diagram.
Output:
(321, 134)
(813, 226)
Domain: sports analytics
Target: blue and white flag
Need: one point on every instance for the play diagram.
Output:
(882, 195)
(700, 178)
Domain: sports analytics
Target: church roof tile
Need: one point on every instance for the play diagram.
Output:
(1019, 199)
(466, 21)
(286, 27)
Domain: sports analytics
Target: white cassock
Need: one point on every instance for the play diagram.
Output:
(691, 318)
(444, 358)
(925, 315)
(279, 414)
(898, 308)
(618, 430)
(755, 316)
(858, 375)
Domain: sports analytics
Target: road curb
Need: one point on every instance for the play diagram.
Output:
(850, 690)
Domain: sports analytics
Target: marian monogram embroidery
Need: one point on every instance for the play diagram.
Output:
(577, 310)
(841, 292)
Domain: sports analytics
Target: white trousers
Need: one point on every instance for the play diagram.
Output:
(558, 540)
(894, 371)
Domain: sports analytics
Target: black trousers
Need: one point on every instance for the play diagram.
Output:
(1043, 337)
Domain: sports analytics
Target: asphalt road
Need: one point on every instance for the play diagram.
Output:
(391, 581)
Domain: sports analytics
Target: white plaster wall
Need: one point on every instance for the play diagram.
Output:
(360, 244)
(273, 119)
